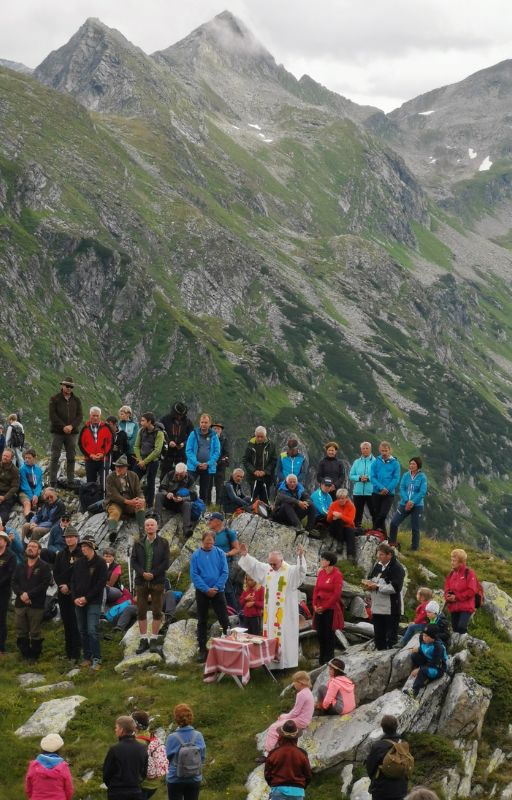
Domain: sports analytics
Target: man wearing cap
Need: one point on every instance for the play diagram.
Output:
(56, 541)
(7, 568)
(29, 584)
(178, 427)
(176, 495)
(222, 463)
(63, 567)
(287, 767)
(227, 540)
(65, 412)
(124, 497)
(150, 561)
(87, 586)
(322, 499)
(291, 462)
(9, 484)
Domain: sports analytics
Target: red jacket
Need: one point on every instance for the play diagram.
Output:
(347, 511)
(420, 615)
(257, 609)
(463, 583)
(327, 594)
(48, 782)
(287, 765)
(89, 446)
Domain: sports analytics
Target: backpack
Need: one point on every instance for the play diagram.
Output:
(165, 446)
(197, 509)
(90, 494)
(479, 596)
(17, 437)
(398, 762)
(157, 759)
(378, 535)
(188, 758)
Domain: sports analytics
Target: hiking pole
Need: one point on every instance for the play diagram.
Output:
(128, 554)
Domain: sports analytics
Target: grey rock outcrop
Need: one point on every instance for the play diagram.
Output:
(51, 717)
(130, 641)
(499, 605)
(48, 688)
(464, 708)
(180, 645)
(30, 678)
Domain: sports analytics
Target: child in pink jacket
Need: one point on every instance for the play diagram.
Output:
(48, 776)
(338, 696)
(301, 713)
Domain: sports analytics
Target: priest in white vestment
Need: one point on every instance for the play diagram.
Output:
(280, 582)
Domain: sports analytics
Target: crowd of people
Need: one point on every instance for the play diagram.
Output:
(139, 469)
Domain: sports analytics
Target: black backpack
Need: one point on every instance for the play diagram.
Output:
(89, 494)
(165, 446)
(17, 437)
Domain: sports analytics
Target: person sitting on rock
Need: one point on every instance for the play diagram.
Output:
(338, 695)
(9, 484)
(287, 768)
(48, 514)
(429, 659)
(56, 541)
(291, 462)
(436, 617)
(331, 467)
(234, 499)
(113, 586)
(383, 787)
(124, 497)
(341, 517)
(31, 484)
(150, 561)
(423, 596)
(292, 504)
(301, 713)
(322, 500)
(176, 494)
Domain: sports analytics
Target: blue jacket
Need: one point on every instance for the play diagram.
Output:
(321, 501)
(56, 541)
(48, 515)
(413, 489)
(192, 447)
(385, 474)
(290, 465)
(187, 734)
(209, 569)
(36, 473)
(362, 466)
(131, 428)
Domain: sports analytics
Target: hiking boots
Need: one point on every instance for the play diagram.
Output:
(154, 647)
(143, 647)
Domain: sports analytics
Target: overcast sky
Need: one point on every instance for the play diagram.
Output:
(377, 52)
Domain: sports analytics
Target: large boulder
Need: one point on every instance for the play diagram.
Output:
(51, 717)
(262, 535)
(131, 641)
(464, 708)
(180, 644)
(499, 606)
(368, 668)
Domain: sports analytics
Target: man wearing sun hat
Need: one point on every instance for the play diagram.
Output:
(287, 767)
(87, 586)
(48, 776)
(63, 568)
(65, 412)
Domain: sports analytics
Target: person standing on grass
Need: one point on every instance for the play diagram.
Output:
(87, 586)
(209, 573)
(150, 561)
(30, 583)
(383, 787)
(7, 567)
(226, 538)
(126, 763)
(62, 574)
(184, 779)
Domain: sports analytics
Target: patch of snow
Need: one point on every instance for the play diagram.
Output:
(485, 165)
(426, 113)
(472, 153)
(268, 140)
(262, 135)
(253, 125)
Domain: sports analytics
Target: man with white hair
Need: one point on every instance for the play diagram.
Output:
(293, 503)
(234, 498)
(281, 582)
(95, 442)
(259, 462)
(176, 494)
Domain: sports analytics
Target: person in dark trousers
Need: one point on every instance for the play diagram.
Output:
(259, 462)
(9, 484)
(360, 473)
(385, 583)
(287, 766)
(2, 439)
(126, 763)
(178, 427)
(341, 520)
(429, 659)
(327, 605)
(95, 442)
(49, 513)
(30, 583)
(66, 415)
(8, 565)
(292, 504)
(226, 539)
(150, 561)
(180, 788)
(120, 446)
(413, 488)
(148, 448)
(331, 467)
(291, 462)
(203, 452)
(234, 499)
(56, 541)
(382, 787)
(222, 464)
(384, 476)
(87, 586)
(177, 494)
(209, 573)
(62, 574)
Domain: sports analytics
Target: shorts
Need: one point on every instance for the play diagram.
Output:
(144, 591)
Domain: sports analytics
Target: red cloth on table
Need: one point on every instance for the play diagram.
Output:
(237, 658)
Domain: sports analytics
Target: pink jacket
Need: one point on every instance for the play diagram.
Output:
(302, 711)
(340, 684)
(46, 782)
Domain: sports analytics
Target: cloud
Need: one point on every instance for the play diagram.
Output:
(380, 52)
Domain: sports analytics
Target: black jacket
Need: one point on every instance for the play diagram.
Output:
(223, 460)
(178, 429)
(260, 457)
(119, 446)
(233, 497)
(8, 565)
(382, 788)
(161, 560)
(35, 585)
(124, 769)
(331, 468)
(394, 574)
(64, 565)
(89, 579)
(64, 412)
